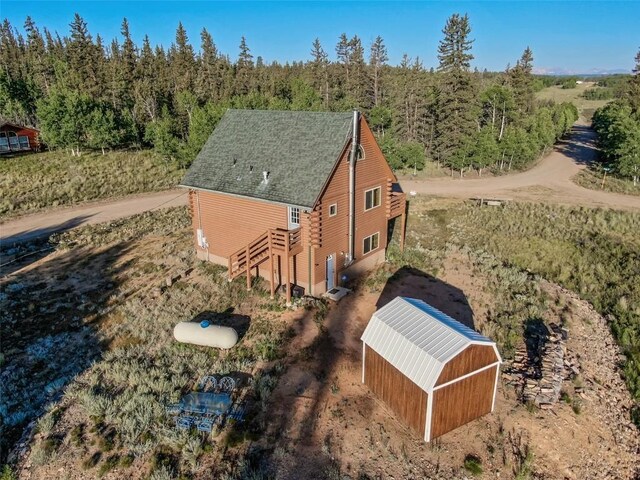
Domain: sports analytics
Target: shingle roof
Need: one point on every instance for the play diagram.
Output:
(298, 149)
(418, 339)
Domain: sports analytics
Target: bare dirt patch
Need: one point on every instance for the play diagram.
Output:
(548, 181)
(324, 420)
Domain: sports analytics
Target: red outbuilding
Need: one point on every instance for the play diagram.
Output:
(16, 138)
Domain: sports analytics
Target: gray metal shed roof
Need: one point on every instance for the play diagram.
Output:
(298, 149)
(419, 339)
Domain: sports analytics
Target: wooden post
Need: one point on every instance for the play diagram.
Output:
(403, 222)
(248, 260)
(271, 265)
(288, 269)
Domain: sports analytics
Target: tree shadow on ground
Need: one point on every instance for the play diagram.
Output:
(580, 145)
(240, 323)
(318, 369)
(48, 329)
(27, 247)
(42, 233)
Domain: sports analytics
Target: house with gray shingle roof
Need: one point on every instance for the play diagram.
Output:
(304, 199)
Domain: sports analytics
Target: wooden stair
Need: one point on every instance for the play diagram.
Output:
(278, 241)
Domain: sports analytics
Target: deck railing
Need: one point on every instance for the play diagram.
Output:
(273, 241)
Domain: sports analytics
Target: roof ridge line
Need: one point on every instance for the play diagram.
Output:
(449, 327)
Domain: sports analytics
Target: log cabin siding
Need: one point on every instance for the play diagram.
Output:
(371, 171)
(472, 358)
(230, 223)
(463, 401)
(404, 397)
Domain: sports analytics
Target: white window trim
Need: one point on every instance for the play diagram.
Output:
(371, 237)
(365, 198)
(290, 211)
(335, 206)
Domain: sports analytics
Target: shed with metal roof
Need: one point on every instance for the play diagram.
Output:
(435, 373)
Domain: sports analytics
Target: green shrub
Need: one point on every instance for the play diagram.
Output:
(91, 461)
(7, 473)
(127, 460)
(108, 465)
(473, 464)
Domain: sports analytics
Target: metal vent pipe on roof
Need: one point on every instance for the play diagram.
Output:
(352, 185)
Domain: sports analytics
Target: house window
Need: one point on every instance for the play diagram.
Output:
(294, 217)
(372, 198)
(333, 210)
(370, 243)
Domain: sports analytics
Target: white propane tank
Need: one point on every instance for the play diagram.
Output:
(205, 334)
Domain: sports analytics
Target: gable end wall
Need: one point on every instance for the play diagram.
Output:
(372, 171)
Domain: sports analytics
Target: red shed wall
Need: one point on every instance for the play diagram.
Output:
(472, 358)
(407, 400)
(23, 132)
(463, 401)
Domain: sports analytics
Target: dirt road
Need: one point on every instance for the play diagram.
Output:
(547, 181)
(43, 224)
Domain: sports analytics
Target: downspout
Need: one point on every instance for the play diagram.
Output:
(206, 244)
(352, 186)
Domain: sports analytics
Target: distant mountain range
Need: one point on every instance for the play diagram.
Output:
(594, 72)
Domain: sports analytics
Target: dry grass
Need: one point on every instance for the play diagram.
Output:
(117, 379)
(34, 182)
(593, 180)
(592, 252)
(586, 108)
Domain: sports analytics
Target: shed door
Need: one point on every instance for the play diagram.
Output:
(331, 272)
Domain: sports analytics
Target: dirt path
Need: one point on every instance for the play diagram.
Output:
(40, 225)
(548, 181)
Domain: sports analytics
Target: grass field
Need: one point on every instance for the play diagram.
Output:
(97, 347)
(34, 182)
(593, 180)
(593, 252)
(573, 95)
(100, 375)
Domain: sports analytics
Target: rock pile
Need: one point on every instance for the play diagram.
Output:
(538, 368)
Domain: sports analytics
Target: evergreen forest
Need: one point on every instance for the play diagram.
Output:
(85, 93)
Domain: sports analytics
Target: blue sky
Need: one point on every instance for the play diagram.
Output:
(577, 36)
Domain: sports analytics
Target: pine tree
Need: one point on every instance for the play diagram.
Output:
(357, 83)
(456, 108)
(634, 87)
(183, 64)
(126, 68)
(11, 52)
(244, 69)
(36, 57)
(377, 60)
(521, 80)
(320, 71)
(145, 87)
(82, 57)
(208, 82)
(343, 54)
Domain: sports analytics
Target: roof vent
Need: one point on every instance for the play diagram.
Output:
(265, 175)
(250, 168)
